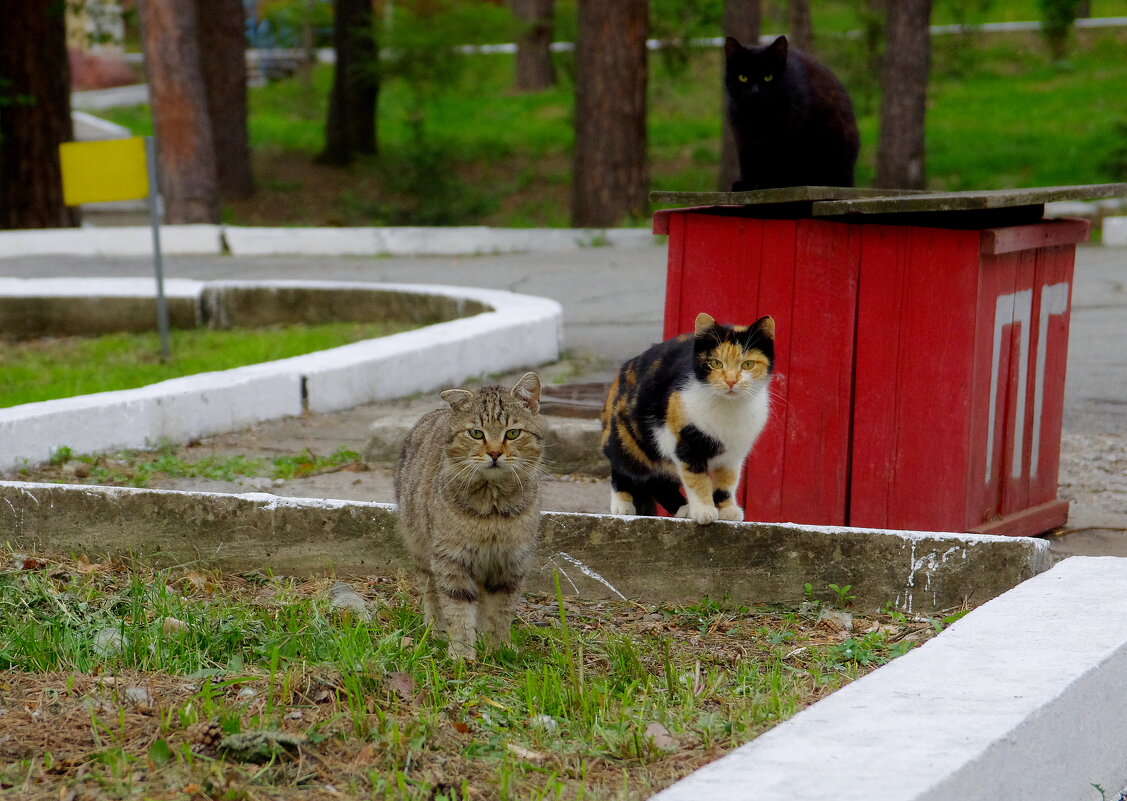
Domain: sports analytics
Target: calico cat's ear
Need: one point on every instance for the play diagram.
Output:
(777, 50)
(527, 391)
(703, 322)
(767, 326)
(456, 397)
(731, 47)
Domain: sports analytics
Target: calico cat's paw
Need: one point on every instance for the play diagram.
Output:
(622, 504)
(703, 515)
(732, 512)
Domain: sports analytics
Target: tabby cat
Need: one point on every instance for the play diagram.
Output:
(468, 487)
(792, 119)
(685, 413)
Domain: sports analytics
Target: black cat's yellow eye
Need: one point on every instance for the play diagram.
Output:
(476, 433)
(512, 433)
(742, 78)
(768, 78)
(715, 364)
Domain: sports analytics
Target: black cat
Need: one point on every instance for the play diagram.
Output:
(792, 119)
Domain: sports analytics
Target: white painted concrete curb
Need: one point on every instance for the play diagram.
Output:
(1025, 697)
(136, 240)
(1115, 231)
(519, 331)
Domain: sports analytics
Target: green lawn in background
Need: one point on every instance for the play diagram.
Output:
(43, 369)
(1001, 115)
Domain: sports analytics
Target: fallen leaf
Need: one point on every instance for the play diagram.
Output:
(460, 727)
(661, 738)
(402, 685)
(31, 563)
(86, 566)
(523, 753)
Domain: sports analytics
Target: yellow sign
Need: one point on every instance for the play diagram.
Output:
(101, 171)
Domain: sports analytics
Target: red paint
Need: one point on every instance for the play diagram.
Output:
(884, 356)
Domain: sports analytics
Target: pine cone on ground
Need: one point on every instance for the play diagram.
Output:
(204, 736)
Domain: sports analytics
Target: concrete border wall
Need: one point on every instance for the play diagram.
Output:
(514, 331)
(657, 559)
(1021, 699)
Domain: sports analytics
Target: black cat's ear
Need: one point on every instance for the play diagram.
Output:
(527, 391)
(456, 397)
(767, 326)
(703, 323)
(731, 47)
(777, 50)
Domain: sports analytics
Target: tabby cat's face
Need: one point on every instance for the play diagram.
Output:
(734, 361)
(756, 76)
(494, 433)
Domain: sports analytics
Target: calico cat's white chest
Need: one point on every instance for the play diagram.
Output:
(734, 422)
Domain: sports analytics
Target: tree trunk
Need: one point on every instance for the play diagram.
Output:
(801, 30)
(223, 39)
(904, 77)
(611, 173)
(34, 114)
(534, 68)
(351, 124)
(741, 22)
(185, 148)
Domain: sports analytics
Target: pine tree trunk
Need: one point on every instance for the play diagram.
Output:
(741, 22)
(223, 40)
(34, 114)
(185, 147)
(800, 30)
(351, 124)
(904, 78)
(534, 68)
(611, 173)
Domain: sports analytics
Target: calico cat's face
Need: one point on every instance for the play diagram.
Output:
(756, 76)
(733, 360)
(494, 432)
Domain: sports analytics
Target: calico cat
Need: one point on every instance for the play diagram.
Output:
(792, 119)
(685, 413)
(468, 487)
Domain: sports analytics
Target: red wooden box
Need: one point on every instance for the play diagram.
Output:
(919, 369)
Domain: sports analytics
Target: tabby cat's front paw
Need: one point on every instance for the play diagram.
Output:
(462, 650)
(732, 512)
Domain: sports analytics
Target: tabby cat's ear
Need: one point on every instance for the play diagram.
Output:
(703, 322)
(456, 397)
(767, 326)
(527, 391)
(731, 47)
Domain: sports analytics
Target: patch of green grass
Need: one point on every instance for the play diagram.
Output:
(130, 680)
(44, 369)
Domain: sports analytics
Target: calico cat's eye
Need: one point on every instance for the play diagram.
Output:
(749, 364)
(742, 78)
(512, 433)
(714, 364)
(768, 78)
(476, 433)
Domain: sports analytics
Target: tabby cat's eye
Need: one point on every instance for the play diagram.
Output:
(742, 78)
(512, 433)
(476, 433)
(768, 78)
(715, 364)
